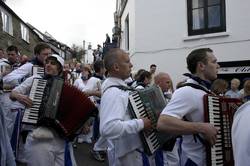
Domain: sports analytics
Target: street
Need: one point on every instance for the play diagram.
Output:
(84, 158)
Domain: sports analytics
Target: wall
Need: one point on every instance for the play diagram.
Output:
(160, 35)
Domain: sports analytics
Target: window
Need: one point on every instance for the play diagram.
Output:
(206, 16)
(7, 22)
(25, 33)
(127, 33)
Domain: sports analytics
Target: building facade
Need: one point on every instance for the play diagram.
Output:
(164, 32)
(14, 31)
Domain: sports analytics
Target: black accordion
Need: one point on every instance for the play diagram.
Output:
(219, 111)
(149, 103)
(59, 106)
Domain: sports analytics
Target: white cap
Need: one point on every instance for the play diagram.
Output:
(58, 58)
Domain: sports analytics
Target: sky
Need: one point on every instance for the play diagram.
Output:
(69, 22)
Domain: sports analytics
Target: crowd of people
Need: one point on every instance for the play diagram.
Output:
(114, 133)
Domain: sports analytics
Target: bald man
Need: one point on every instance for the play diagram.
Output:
(122, 132)
(164, 81)
(170, 158)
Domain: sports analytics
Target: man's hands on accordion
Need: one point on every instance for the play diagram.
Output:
(209, 132)
(147, 124)
(23, 99)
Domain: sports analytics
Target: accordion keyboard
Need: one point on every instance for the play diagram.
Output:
(140, 111)
(36, 95)
(36, 70)
(215, 119)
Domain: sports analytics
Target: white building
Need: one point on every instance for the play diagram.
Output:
(163, 32)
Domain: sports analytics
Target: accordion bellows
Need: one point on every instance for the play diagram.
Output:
(75, 108)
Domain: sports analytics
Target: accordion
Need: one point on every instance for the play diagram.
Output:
(58, 105)
(148, 103)
(219, 111)
(37, 70)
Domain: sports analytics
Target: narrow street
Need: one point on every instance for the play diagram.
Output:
(84, 157)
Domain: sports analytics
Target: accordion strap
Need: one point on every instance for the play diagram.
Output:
(124, 88)
(196, 86)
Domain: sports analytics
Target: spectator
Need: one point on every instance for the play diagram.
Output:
(23, 59)
(107, 41)
(219, 87)
(152, 71)
(234, 91)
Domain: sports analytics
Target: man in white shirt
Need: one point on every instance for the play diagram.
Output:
(5, 102)
(187, 102)
(41, 51)
(116, 125)
(14, 78)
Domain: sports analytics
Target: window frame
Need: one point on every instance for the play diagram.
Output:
(127, 44)
(9, 27)
(206, 29)
(24, 32)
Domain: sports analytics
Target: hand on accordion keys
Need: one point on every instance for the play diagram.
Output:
(209, 132)
(25, 100)
(147, 124)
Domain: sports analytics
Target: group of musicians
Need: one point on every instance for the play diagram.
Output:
(182, 116)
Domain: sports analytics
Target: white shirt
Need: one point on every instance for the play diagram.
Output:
(188, 102)
(80, 84)
(3, 64)
(25, 87)
(233, 94)
(14, 78)
(116, 125)
(93, 84)
(241, 135)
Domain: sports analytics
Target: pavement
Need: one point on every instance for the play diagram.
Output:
(84, 157)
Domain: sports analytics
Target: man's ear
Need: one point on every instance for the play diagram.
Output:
(200, 65)
(116, 67)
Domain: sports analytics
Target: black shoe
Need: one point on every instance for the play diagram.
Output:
(98, 155)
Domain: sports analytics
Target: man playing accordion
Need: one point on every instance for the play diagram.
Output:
(43, 145)
(187, 103)
(116, 125)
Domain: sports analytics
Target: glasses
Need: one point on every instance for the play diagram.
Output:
(52, 62)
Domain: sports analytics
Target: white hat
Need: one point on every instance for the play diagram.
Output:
(58, 58)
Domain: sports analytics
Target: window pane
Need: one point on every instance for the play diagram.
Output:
(213, 16)
(4, 21)
(213, 2)
(198, 19)
(197, 3)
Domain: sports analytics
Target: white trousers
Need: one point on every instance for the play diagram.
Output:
(46, 152)
(10, 116)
